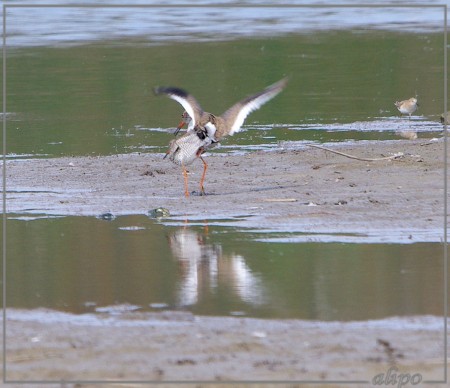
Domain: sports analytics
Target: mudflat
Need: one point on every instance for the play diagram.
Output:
(290, 188)
(177, 346)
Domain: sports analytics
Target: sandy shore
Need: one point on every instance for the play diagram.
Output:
(177, 346)
(288, 189)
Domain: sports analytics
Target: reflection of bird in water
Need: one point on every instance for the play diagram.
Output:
(407, 107)
(204, 268)
(198, 263)
(188, 245)
(411, 135)
(206, 129)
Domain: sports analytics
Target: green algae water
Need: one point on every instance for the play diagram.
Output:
(87, 264)
(97, 98)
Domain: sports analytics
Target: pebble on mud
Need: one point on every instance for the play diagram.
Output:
(160, 212)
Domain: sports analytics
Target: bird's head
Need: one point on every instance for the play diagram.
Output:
(185, 120)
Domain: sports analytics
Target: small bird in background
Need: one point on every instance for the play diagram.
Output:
(407, 107)
(206, 129)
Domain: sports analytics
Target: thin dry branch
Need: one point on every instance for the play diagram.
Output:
(392, 157)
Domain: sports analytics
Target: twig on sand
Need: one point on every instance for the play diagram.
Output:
(431, 141)
(398, 155)
(279, 200)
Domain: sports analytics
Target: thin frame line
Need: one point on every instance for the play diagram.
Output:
(445, 199)
(187, 382)
(5, 6)
(285, 5)
(445, 250)
(4, 192)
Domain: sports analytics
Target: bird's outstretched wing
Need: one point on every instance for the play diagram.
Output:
(235, 116)
(189, 103)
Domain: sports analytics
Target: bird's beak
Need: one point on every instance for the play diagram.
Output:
(181, 125)
(165, 156)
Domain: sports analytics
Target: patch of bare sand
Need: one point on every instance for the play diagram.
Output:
(288, 189)
(177, 346)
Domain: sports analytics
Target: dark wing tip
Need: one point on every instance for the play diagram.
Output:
(170, 90)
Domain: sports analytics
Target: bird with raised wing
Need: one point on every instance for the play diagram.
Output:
(205, 129)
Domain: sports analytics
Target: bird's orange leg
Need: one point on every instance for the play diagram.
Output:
(205, 167)
(186, 189)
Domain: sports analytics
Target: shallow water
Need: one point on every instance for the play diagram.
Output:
(79, 82)
(97, 98)
(88, 264)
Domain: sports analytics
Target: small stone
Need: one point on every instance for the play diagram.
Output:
(106, 216)
(259, 334)
(160, 212)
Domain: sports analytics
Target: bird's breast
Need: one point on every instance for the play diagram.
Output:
(187, 147)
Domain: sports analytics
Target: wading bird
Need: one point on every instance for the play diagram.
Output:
(205, 129)
(407, 107)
